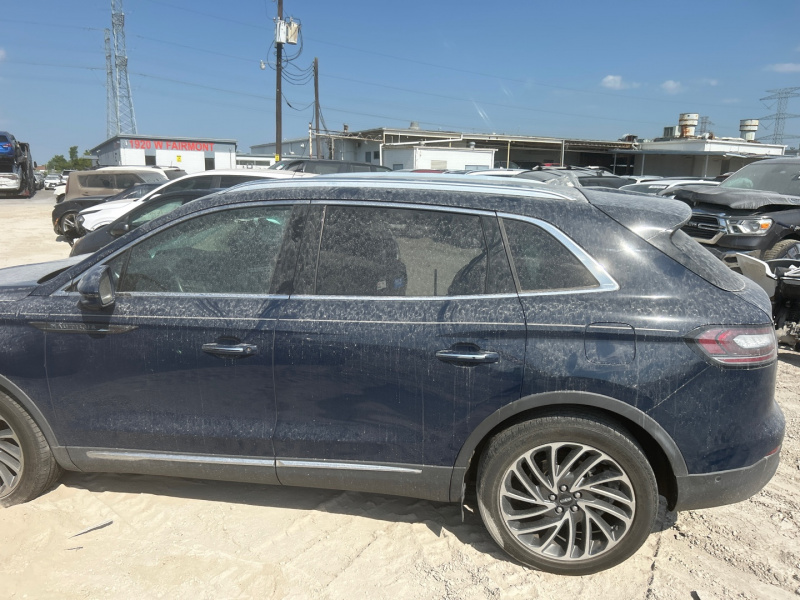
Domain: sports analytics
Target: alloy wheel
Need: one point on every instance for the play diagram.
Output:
(11, 460)
(567, 501)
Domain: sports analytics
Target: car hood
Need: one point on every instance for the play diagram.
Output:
(18, 282)
(737, 199)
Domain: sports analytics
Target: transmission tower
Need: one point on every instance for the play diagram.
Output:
(705, 123)
(782, 96)
(125, 118)
(112, 116)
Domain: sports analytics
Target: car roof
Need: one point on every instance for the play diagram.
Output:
(396, 181)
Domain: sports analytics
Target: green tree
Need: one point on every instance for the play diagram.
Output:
(58, 163)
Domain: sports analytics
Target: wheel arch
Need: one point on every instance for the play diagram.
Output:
(659, 448)
(15, 393)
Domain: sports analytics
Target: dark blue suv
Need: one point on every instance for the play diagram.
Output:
(569, 355)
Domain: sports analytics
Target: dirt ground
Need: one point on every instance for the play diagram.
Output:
(115, 536)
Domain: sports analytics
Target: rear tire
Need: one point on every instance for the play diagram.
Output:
(27, 466)
(783, 249)
(567, 493)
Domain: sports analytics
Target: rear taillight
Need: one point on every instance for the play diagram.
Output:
(737, 346)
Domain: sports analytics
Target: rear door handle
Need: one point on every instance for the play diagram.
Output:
(231, 350)
(468, 358)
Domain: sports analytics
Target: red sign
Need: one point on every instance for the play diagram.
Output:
(164, 145)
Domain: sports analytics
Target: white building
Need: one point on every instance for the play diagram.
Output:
(190, 154)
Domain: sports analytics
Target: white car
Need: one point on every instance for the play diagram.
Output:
(96, 216)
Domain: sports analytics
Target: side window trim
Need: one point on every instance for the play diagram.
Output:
(606, 282)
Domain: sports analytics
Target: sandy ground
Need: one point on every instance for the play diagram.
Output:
(149, 537)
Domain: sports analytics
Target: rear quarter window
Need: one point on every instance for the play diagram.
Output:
(542, 262)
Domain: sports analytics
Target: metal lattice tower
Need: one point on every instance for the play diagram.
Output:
(705, 123)
(782, 96)
(112, 115)
(125, 116)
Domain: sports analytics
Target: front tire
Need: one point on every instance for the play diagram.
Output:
(567, 493)
(27, 466)
(783, 249)
(68, 224)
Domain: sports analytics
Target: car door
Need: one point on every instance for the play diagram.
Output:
(403, 332)
(180, 368)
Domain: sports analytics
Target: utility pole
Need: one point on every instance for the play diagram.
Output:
(278, 93)
(316, 101)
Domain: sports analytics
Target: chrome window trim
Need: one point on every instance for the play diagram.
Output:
(413, 298)
(606, 283)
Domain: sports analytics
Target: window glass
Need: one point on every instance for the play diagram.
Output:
(324, 168)
(542, 262)
(126, 180)
(225, 252)
(370, 251)
(227, 181)
(97, 180)
(154, 210)
(193, 183)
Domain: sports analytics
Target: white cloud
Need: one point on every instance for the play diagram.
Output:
(784, 68)
(672, 87)
(708, 81)
(2, 55)
(615, 82)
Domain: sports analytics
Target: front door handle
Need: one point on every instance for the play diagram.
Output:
(467, 358)
(231, 350)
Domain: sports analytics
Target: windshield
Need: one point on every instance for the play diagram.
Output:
(781, 178)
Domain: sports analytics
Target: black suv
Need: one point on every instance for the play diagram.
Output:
(565, 356)
(755, 211)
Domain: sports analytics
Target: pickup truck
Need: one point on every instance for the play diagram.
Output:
(755, 211)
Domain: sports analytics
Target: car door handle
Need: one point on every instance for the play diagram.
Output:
(468, 358)
(231, 350)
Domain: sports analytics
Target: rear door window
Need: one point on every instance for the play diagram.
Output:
(371, 251)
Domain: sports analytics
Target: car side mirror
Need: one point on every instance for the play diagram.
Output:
(120, 229)
(96, 288)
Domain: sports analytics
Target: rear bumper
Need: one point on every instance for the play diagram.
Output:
(725, 487)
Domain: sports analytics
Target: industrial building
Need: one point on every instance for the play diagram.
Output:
(190, 154)
(678, 153)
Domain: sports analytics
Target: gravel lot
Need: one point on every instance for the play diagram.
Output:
(153, 537)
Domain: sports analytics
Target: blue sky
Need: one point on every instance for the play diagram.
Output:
(576, 69)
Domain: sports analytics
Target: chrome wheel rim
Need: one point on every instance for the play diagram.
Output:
(11, 462)
(567, 502)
